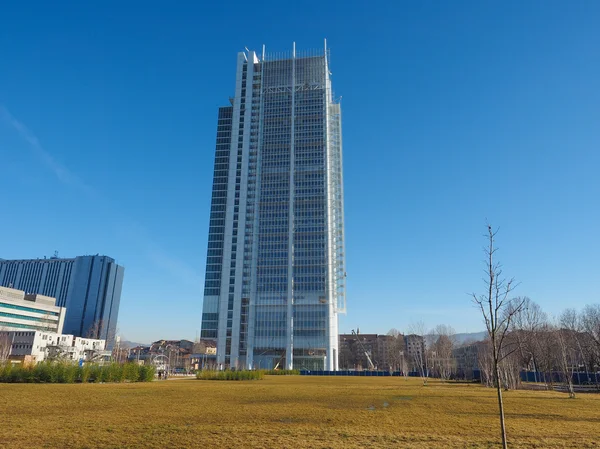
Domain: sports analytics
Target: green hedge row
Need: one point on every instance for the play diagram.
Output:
(282, 372)
(243, 374)
(229, 375)
(60, 372)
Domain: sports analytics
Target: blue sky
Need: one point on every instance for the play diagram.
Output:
(453, 113)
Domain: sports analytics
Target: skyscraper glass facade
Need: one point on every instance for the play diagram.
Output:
(88, 286)
(279, 200)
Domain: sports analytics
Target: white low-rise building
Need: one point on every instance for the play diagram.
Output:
(37, 346)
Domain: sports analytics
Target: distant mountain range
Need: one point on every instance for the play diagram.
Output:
(460, 339)
(470, 337)
(132, 344)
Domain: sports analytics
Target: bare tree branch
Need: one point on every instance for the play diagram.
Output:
(497, 314)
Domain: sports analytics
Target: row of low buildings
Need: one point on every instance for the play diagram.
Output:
(177, 354)
(405, 353)
(31, 327)
(398, 353)
(38, 346)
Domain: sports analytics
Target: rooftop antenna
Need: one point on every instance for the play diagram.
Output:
(263, 52)
(247, 49)
(294, 50)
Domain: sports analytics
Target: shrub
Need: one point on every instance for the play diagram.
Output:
(95, 373)
(85, 373)
(70, 373)
(131, 372)
(5, 371)
(41, 372)
(9, 372)
(14, 374)
(55, 372)
(147, 373)
(229, 375)
(282, 372)
(114, 372)
(26, 373)
(64, 372)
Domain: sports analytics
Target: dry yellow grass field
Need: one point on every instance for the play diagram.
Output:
(290, 411)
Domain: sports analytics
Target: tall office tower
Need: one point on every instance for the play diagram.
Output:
(88, 286)
(275, 278)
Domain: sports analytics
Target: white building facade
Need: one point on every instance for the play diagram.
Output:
(275, 275)
(38, 346)
(21, 311)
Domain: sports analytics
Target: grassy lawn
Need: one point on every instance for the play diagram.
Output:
(290, 411)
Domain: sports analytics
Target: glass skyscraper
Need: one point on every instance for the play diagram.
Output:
(88, 286)
(275, 276)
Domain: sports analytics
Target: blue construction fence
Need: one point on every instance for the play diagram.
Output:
(526, 376)
(555, 377)
(365, 373)
(305, 372)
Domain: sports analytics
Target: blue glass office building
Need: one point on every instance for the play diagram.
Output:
(275, 276)
(88, 286)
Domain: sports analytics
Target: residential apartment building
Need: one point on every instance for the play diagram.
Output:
(416, 352)
(36, 346)
(466, 358)
(386, 352)
(89, 287)
(275, 275)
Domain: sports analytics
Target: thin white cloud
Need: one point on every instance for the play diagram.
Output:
(60, 171)
(132, 231)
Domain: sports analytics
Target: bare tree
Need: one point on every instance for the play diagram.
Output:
(95, 330)
(5, 346)
(547, 355)
(590, 322)
(417, 349)
(485, 363)
(395, 351)
(564, 358)
(569, 320)
(497, 311)
(120, 351)
(443, 344)
(199, 347)
(526, 329)
(112, 339)
(510, 367)
(394, 332)
(590, 319)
